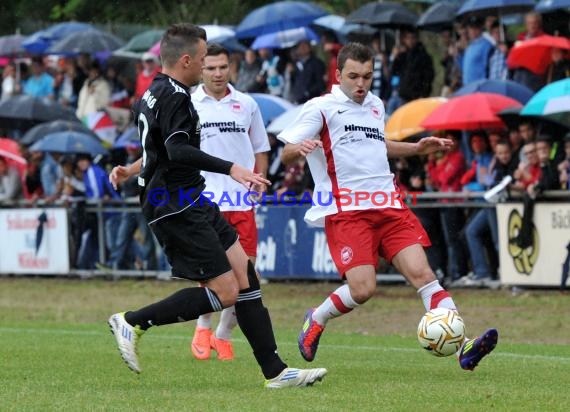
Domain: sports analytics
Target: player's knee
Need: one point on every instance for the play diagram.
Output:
(421, 277)
(362, 292)
(228, 294)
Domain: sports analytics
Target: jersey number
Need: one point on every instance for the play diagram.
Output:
(143, 133)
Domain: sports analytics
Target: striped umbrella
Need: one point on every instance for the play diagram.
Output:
(553, 100)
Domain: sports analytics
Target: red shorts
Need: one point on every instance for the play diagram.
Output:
(357, 237)
(244, 224)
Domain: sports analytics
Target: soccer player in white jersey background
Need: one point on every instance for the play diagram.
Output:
(231, 128)
(342, 136)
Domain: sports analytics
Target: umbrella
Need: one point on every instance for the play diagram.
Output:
(69, 142)
(338, 25)
(271, 106)
(10, 150)
(502, 7)
(548, 6)
(40, 41)
(128, 138)
(103, 126)
(470, 112)
(143, 41)
(39, 131)
(88, 41)
(405, 121)
(552, 100)
(284, 120)
(507, 88)
(535, 54)
(11, 45)
(386, 15)
(438, 17)
(284, 39)
(215, 34)
(512, 117)
(278, 16)
(23, 112)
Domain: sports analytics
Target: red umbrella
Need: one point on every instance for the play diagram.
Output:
(10, 150)
(470, 112)
(534, 54)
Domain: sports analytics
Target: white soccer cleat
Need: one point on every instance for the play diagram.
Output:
(127, 338)
(296, 377)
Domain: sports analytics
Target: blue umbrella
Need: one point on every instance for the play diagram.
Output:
(553, 100)
(548, 6)
(68, 142)
(40, 41)
(284, 39)
(271, 106)
(278, 16)
(499, 6)
(129, 138)
(507, 88)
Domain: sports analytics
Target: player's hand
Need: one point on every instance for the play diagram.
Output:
(246, 177)
(307, 146)
(118, 175)
(433, 144)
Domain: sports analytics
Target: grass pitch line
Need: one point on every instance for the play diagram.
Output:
(50, 331)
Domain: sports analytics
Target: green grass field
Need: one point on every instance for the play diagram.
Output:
(56, 353)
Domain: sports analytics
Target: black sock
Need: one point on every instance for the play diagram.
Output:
(184, 305)
(255, 323)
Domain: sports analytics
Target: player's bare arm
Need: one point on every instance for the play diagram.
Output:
(261, 165)
(246, 177)
(293, 152)
(424, 146)
(121, 173)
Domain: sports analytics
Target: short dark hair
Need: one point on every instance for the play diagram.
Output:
(354, 51)
(179, 39)
(215, 49)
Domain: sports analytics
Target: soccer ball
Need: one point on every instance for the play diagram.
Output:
(441, 332)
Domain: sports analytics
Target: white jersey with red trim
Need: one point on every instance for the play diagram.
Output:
(353, 163)
(231, 129)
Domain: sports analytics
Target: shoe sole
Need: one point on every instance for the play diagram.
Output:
(112, 330)
(489, 342)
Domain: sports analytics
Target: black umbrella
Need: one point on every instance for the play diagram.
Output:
(41, 130)
(23, 112)
(438, 17)
(383, 15)
(512, 118)
(88, 41)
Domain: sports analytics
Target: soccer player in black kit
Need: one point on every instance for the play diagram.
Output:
(199, 243)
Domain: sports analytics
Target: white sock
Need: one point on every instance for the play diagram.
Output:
(338, 303)
(434, 296)
(205, 321)
(228, 321)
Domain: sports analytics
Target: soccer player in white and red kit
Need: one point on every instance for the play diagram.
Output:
(231, 128)
(342, 136)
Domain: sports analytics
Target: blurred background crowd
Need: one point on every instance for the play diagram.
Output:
(491, 75)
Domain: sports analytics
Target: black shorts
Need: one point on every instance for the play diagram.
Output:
(195, 242)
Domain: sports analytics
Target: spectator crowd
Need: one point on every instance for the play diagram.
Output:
(465, 241)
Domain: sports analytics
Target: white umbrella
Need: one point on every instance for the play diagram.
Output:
(286, 119)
